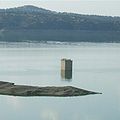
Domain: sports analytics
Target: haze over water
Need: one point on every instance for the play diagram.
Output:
(96, 67)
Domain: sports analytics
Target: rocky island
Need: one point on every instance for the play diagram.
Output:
(8, 88)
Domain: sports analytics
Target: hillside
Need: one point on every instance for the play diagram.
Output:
(31, 23)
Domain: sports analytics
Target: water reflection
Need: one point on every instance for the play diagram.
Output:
(66, 74)
(49, 113)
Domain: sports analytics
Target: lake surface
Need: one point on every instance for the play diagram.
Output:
(96, 67)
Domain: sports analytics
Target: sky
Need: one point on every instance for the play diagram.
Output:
(91, 7)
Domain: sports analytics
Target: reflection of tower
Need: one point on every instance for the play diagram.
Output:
(66, 68)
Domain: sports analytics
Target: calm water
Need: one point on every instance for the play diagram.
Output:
(96, 67)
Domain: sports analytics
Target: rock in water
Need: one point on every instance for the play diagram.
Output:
(7, 88)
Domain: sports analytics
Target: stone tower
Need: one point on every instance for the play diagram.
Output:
(66, 68)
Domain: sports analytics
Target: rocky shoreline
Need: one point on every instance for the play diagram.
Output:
(7, 88)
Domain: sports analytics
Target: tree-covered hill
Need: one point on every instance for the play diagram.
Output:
(30, 18)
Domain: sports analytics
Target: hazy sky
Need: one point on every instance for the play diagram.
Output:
(99, 7)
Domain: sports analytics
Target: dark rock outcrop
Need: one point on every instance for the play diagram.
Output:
(7, 88)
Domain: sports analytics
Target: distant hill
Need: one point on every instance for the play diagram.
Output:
(27, 9)
(33, 23)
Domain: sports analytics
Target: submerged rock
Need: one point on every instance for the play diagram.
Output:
(7, 88)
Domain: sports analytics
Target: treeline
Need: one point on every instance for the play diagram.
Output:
(33, 23)
(59, 35)
(30, 17)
